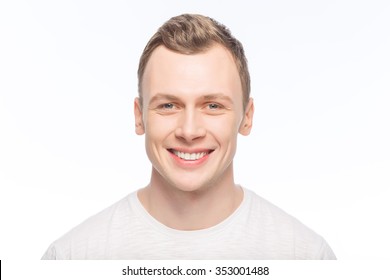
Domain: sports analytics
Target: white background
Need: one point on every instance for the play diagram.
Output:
(320, 144)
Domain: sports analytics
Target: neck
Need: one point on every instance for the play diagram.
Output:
(191, 210)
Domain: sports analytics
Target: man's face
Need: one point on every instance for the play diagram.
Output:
(191, 115)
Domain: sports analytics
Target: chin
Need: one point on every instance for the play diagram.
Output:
(189, 187)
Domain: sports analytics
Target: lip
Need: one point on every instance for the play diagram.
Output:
(191, 151)
(190, 163)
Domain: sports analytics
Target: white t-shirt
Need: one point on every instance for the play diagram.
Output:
(256, 230)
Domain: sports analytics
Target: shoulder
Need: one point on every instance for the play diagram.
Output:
(84, 240)
(284, 233)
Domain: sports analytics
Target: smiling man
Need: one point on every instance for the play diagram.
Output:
(191, 112)
(193, 101)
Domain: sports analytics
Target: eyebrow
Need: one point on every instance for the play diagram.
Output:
(217, 96)
(171, 97)
(160, 96)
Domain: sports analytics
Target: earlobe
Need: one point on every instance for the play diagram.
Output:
(246, 123)
(139, 123)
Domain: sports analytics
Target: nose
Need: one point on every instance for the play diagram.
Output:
(190, 126)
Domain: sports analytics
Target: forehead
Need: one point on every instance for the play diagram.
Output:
(211, 71)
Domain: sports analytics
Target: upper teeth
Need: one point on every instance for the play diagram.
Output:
(188, 156)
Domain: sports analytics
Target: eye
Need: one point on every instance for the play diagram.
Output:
(214, 106)
(167, 106)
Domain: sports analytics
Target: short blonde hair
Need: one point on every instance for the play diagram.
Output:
(190, 34)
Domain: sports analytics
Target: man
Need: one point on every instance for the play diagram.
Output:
(193, 101)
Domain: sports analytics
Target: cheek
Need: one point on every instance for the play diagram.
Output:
(223, 127)
(158, 127)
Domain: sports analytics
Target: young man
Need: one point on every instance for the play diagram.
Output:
(193, 101)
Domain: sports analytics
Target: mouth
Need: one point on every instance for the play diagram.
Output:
(187, 156)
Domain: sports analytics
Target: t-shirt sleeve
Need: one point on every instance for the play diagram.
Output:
(50, 254)
(325, 252)
(53, 253)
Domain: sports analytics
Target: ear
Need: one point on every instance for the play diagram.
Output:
(139, 122)
(246, 123)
